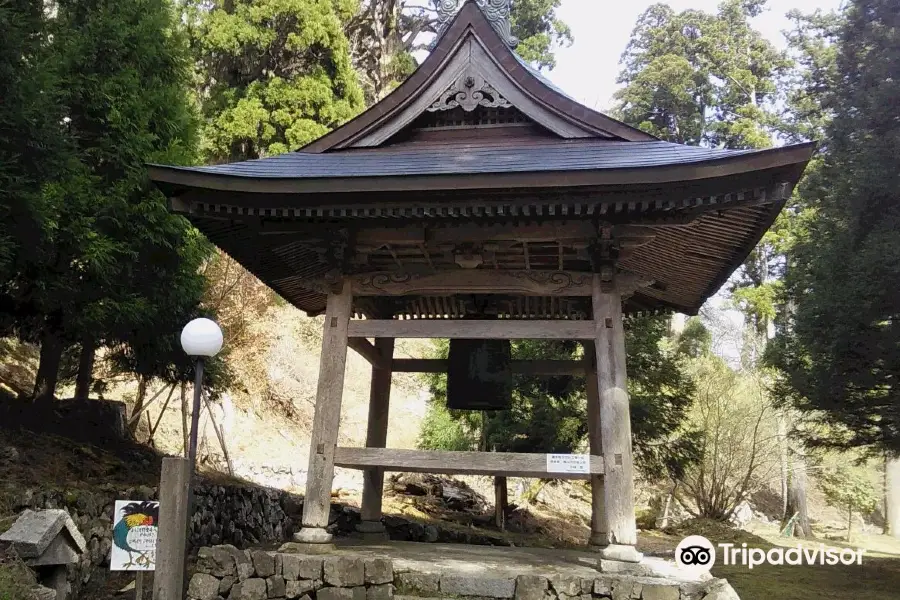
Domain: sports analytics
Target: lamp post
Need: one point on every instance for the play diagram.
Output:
(200, 339)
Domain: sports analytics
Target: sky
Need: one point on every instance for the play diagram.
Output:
(587, 70)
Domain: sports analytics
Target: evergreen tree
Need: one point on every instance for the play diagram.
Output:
(384, 34)
(32, 152)
(112, 249)
(272, 75)
(837, 351)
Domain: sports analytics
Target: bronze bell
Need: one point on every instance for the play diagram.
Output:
(479, 375)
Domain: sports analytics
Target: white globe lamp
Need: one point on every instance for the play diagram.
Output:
(201, 338)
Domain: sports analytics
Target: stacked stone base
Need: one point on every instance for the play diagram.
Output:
(226, 573)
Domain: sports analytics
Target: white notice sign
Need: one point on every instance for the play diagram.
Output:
(568, 463)
(134, 536)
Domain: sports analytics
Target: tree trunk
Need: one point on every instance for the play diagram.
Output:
(849, 522)
(786, 512)
(501, 502)
(85, 370)
(797, 496)
(48, 367)
(892, 496)
(138, 404)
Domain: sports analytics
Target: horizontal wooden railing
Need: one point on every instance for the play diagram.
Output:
(503, 464)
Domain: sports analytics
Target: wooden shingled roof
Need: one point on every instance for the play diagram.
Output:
(476, 151)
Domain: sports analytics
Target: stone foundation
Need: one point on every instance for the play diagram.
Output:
(224, 572)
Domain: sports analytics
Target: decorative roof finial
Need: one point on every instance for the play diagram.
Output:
(496, 11)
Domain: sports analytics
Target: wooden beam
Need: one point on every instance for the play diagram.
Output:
(504, 464)
(615, 424)
(369, 352)
(326, 420)
(376, 432)
(473, 281)
(598, 505)
(501, 329)
(575, 368)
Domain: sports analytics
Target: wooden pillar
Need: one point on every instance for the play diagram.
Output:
(615, 424)
(598, 506)
(326, 421)
(376, 437)
(174, 504)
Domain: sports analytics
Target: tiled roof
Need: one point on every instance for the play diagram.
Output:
(471, 159)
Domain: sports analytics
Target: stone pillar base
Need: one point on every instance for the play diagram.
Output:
(313, 535)
(619, 552)
(370, 527)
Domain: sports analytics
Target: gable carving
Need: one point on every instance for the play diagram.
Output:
(468, 92)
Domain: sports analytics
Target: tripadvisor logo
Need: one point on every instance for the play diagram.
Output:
(697, 554)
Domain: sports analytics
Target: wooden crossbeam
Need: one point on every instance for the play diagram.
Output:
(501, 329)
(369, 352)
(498, 464)
(473, 281)
(575, 368)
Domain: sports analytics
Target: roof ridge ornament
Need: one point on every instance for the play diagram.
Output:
(496, 11)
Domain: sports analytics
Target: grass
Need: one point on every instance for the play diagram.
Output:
(15, 579)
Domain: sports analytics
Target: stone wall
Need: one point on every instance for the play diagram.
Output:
(235, 514)
(224, 572)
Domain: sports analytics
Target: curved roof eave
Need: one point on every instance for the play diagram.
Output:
(171, 179)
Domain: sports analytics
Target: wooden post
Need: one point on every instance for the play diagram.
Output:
(376, 437)
(615, 424)
(139, 585)
(168, 580)
(598, 506)
(326, 421)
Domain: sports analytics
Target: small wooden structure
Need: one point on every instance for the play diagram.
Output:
(479, 201)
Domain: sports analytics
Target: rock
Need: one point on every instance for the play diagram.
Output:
(379, 570)
(624, 589)
(426, 583)
(359, 592)
(203, 587)
(308, 568)
(290, 566)
(460, 585)
(342, 571)
(226, 584)
(654, 591)
(295, 589)
(9, 454)
(275, 586)
(40, 592)
(719, 589)
(335, 593)
(530, 587)
(218, 561)
(380, 592)
(566, 586)
(602, 588)
(742, 515)
(431, 534)
(263, 562)
(251, 589)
